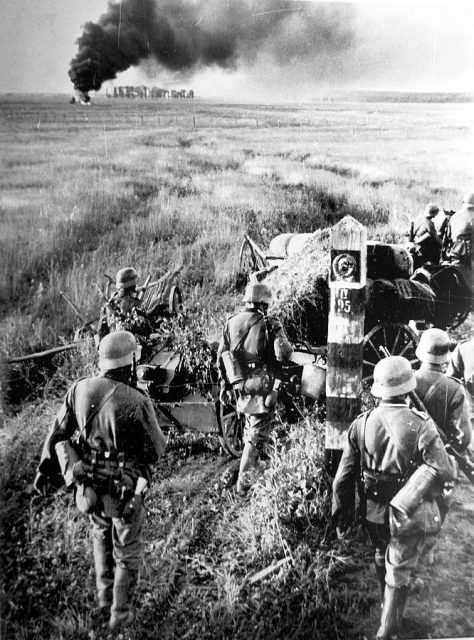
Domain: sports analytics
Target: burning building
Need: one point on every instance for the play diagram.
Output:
(187, 35)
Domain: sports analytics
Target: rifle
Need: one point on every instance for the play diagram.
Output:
(102, 294)
(86, 324)
(466, 466)
(445, 233)
(143, 288)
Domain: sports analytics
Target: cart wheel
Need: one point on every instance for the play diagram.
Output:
(175, 301)
(232, 428)
(399, 340)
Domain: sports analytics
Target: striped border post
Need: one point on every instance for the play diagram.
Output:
(347, 281)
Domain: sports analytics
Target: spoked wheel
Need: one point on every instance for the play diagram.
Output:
(232, 428)
(399, 340)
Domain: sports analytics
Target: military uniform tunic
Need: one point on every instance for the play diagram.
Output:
(123, 312)
(445, 402)
(252, 337)
(427, 237)
(111, 417)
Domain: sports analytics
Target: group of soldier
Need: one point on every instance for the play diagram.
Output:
(106, 438)
(450, 241)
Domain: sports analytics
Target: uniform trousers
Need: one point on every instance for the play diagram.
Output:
(257, 429)
(118, 554)
(400, 546)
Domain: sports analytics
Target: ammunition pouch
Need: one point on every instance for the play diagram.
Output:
(112, 476)
(380, 487)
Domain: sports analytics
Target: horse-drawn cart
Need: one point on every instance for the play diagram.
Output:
(399, 299)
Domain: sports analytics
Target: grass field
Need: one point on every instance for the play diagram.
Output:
(161, 184)
(85, 190)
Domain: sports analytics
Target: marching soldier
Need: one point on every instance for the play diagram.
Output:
(123, 311)
(250, 354)
(444, 399)
(442, 395)
(385, 446)
(103, 441)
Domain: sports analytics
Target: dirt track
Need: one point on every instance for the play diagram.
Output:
(195, 490)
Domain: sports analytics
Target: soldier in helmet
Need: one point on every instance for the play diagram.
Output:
(444, 399)
(384, 447)
(442, 395)
(426, 237)
(250, 354)
(103, 441)
(461, 232)
(123, 311)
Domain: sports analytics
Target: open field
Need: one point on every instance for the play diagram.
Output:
(85, 190)
(155, 184)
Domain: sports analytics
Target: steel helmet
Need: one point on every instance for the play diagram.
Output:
(468, 198)
(117, 349)
(125, 278)
(433, 347)
(258, 292)
(393, 376)
(431, 210)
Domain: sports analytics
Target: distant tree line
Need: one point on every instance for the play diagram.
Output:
(143, 91)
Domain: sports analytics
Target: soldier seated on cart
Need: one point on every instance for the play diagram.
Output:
(425, 237)
(461, 232)
(250, 354)
(123, 311)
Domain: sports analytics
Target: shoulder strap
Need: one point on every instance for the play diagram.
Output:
(429, 395)
(97, 408)
(431, 390)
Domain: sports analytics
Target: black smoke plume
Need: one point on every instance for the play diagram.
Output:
(185, 35)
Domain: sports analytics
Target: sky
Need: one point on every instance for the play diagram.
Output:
(407, 45)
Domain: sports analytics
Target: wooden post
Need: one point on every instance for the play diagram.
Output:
(347, 281)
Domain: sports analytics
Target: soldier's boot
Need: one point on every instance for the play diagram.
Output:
(125, 582)
(389, 618)
(104, 570)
